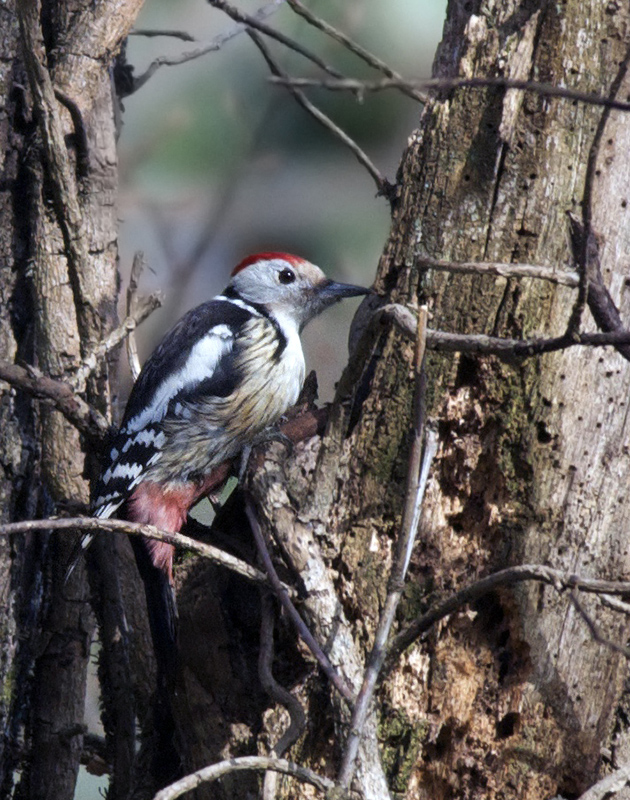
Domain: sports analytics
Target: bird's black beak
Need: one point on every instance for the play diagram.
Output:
(332, 291)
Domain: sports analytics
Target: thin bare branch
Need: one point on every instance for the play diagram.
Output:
(133, 303)
(211, 47)
(600, 303)
(213, 554)
(354, 47)
(502, 270)
(430, 449)
(86, 419)
(512, 575)
(276, 691)
(153, 32)
(256, 24)
(258, 763)
(519, 348)
(585, 244)
(143, 309)
(384, 187)
(282, 594)
(543, 89)
(481, 344)
(615, 604)
(594, 630)
(406, 538)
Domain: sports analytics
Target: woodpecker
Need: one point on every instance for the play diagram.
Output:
(229, 369)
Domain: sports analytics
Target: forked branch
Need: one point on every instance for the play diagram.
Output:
(258, 763)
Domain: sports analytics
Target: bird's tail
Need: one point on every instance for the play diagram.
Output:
(161, 608)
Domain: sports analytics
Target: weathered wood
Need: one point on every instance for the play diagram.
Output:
(63, 238)
(521, 699)
(20, 559)
(513, 698)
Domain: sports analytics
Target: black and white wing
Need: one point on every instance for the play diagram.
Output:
(197, 355)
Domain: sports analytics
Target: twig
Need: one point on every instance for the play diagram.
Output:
(212, 46)
(354, 47)
(525, 572)
(86, 419)
(259, 763)
(519, 348)
(384, 187)
(480, 344)
(281, 591)
(152, 32)
(594, 630)
(271, 685)
(615, 604)
(543, 89)
(278, 694)
(600, 303)
(430, 449)
(254, 24)
(143, 309)
(502, 270)
(587, 256)
(408, 530)
(133, 303)
(418, 465)
(137, 529)
(173, 61)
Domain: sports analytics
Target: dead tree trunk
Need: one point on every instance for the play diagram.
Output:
(59, 287)
(532, 453)
(514, 697)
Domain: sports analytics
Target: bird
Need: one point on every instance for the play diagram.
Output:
(226, 372)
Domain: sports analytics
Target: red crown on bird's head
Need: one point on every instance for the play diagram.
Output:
(253, 259)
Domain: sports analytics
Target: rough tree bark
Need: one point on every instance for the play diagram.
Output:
(59, 290)
(514, 697)
(511, 698)
(522, 701)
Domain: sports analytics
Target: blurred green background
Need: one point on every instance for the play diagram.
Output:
(217, 163)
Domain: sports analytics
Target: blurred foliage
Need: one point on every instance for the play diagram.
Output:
(211, 151)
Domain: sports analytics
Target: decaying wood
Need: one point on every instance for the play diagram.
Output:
(495, 702)
(531, 454)
(517, 696)
(64, 251)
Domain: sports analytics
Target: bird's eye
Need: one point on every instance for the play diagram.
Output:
(286, 276)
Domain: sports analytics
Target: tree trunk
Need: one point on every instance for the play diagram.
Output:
(59, 285)
(19, 494)
(514, 697)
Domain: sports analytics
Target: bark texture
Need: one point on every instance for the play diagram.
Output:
(511, 698)
(19, 493)
(514, 697)
(59, 287)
